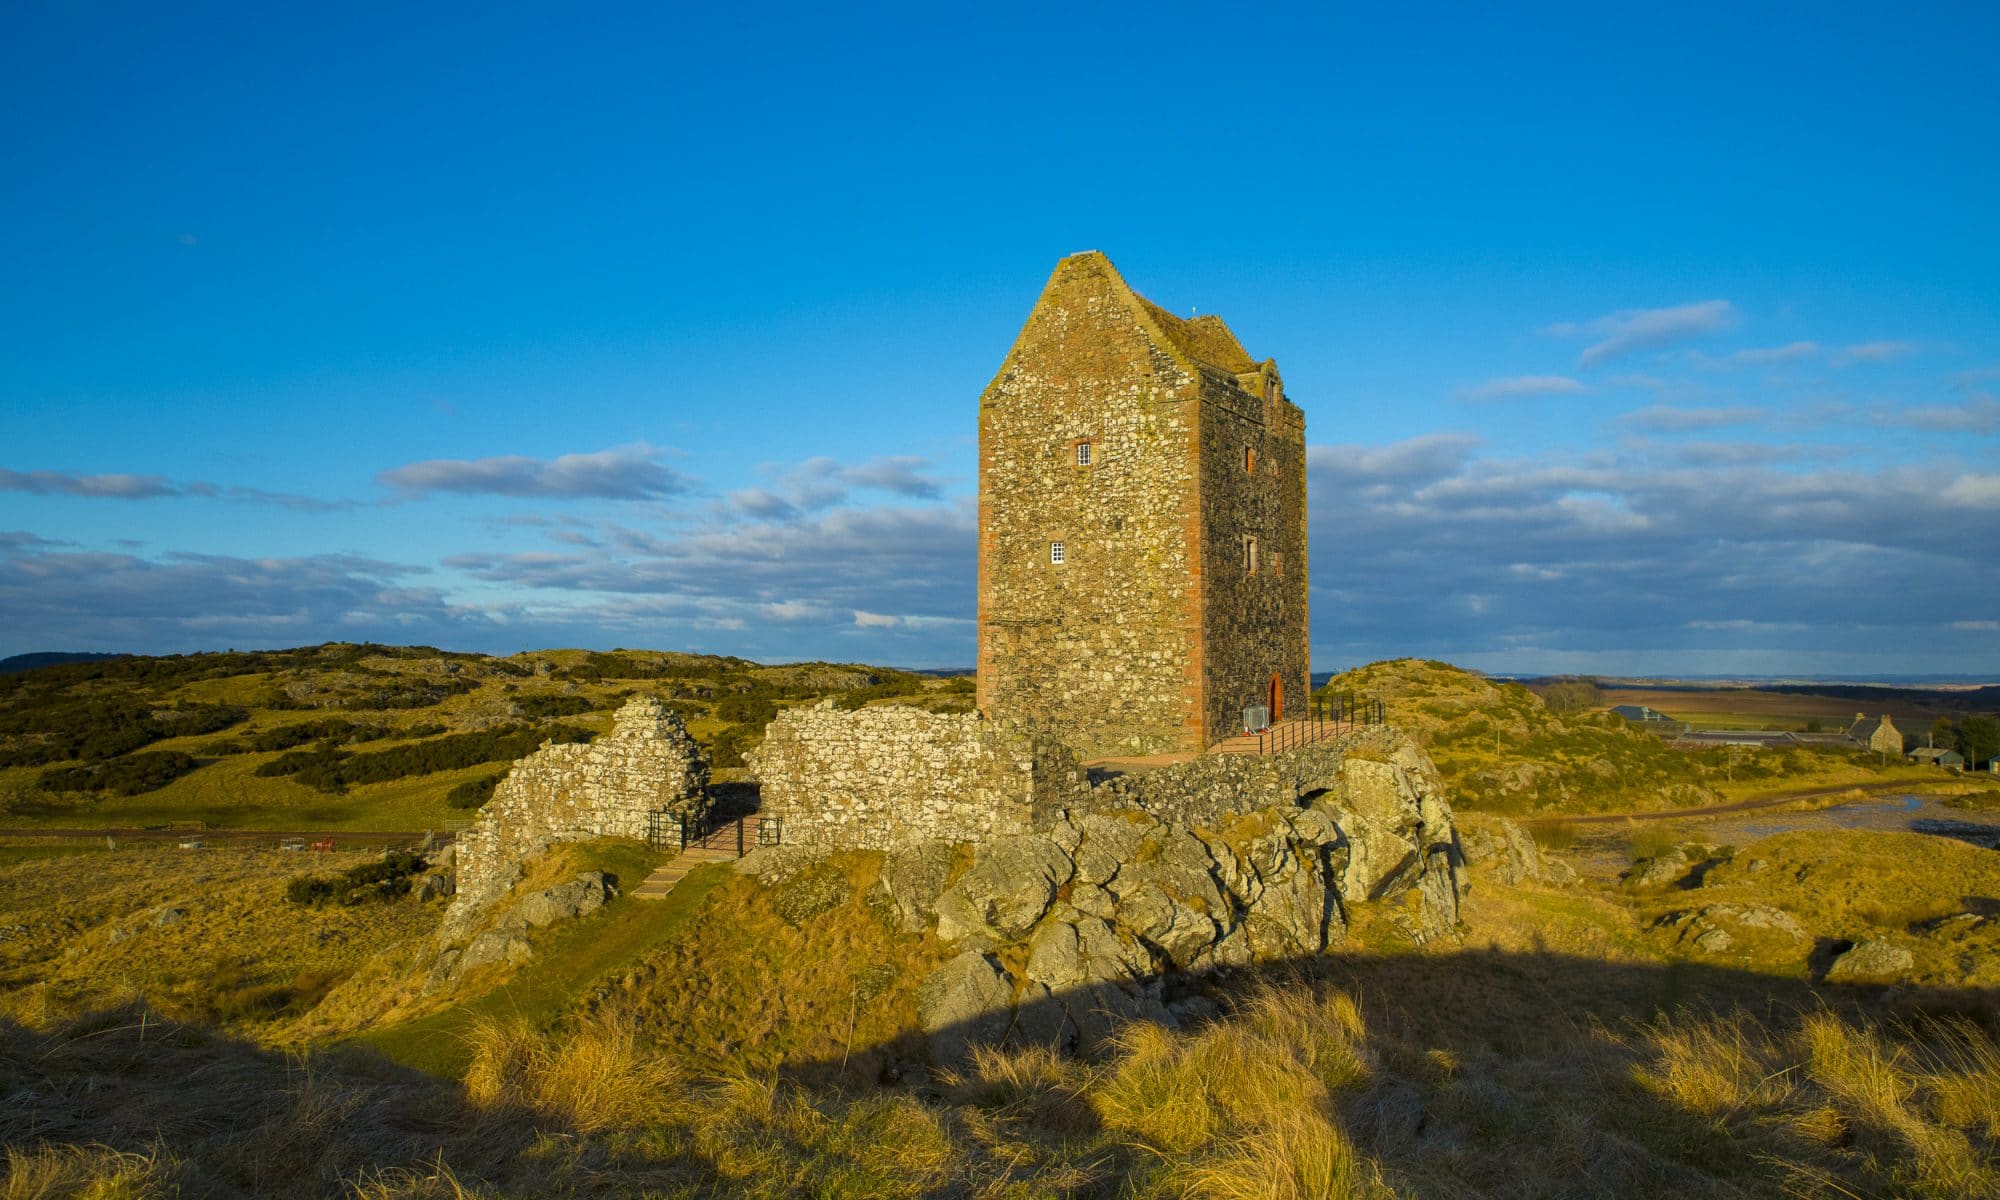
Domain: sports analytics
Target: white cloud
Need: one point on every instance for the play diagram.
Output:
(822, 482)
(1523, 386)
(1633, 329)
(1760, 356)
(1874, 352)
(1979, 415)
(869, 620)
(1667, 418)
(620, 473)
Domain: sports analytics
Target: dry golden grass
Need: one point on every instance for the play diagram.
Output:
(45, 1172)
(202, 934)
(592, 1079)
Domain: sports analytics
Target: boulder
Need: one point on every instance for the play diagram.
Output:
(1505, 850)
(1659, 871)
(564, 902)
(911, 880)
(968, 1000)
(1007, 890)
(495, 945)
(1870, 961)
(1755, 931)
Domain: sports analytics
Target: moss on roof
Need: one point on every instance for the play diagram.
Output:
(1205, 339)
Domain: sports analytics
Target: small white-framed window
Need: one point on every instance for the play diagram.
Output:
(1057, 553)
(1083, 454)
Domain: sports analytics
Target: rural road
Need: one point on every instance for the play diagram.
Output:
(340, 836)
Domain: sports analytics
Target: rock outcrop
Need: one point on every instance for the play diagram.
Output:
(1115, 914)
(505, 938)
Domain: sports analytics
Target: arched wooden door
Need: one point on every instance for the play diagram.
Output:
(1277, 697)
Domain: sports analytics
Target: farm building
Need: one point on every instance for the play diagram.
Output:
(1879, 734)
(1933, 756)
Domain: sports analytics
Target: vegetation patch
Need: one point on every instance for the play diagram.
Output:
(329, 769)
(369, 883)
(131, 775)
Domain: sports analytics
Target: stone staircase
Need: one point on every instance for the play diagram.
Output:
(663, 878)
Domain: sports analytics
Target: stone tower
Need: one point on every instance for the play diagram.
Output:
(1142, 525)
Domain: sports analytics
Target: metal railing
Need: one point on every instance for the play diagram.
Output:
(1330, 716)
(667, 831)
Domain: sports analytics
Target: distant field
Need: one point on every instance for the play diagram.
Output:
(1750, 708)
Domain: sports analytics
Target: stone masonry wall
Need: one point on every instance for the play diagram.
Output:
(893, 775)
(1214, 789)
(1102, 647)
(610, 788)
(1254, 623)
(1150, 635)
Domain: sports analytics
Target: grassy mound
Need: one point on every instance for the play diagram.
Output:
(1500, 749)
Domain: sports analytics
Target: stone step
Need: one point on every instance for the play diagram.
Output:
(664, 877)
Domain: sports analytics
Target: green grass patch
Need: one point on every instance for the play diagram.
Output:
(568, 962)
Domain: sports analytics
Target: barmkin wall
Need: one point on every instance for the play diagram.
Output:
(894, 775)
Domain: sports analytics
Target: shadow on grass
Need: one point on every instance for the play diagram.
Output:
(1476, 1072)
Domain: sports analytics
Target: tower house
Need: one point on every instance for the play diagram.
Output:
(1142, 525)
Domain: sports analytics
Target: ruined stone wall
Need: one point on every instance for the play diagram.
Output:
(1103, 646)
(610, 788)
(893, 775)
(1254, 623)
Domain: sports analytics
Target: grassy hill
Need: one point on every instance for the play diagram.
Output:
(362, 737)
(1501, 749)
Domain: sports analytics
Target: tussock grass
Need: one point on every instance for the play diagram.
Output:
(46, 1172)
(592, 1079)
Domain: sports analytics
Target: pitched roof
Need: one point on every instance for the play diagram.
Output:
(1206, 339)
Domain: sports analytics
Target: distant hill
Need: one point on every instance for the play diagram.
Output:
(47, 658)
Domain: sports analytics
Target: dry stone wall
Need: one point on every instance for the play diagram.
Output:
(893, 775)
(612, 787)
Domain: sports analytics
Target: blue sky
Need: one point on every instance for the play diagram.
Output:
(1628, 342)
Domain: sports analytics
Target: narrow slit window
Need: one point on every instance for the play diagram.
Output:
(1249, 554)
(1057, 553)
(1250, 459)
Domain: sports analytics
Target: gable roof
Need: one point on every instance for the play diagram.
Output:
(1205, 339)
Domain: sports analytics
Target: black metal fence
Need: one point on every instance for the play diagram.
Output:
(1330, 715)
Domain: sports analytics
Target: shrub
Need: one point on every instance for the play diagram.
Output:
(749, 709)
(544, 707)
(328, 769)
(474, 792)
(388, 878)
(129, 776)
